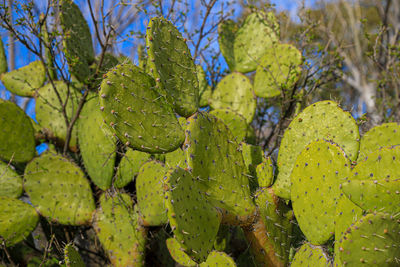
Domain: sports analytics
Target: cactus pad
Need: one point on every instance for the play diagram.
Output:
(149, 191)
(387, 134)
(116, 225)
(26, 80)
(176, 158)
(309, 255)
(172, 66)
(59, 190)
(16, 137)
(226, 38)
(49, 110)
(10, 182)
(97, 145)
(3, 59)
(235, 122)
(204, 88)
(140, 117)
(257, 34)
(235, 91)
(265, 173)
(252, 156)
(374, 240)
(72, 257)
(322, 120)
(178, 253)
(193, 219)
(78, 46)
(129, 167)
(318, 171)
(17, 220)
(217, 258)
(279, 69)
(216, 162)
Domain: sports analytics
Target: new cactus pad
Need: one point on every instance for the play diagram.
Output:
(265, 173)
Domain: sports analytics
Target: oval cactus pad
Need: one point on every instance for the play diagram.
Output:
(10, 181)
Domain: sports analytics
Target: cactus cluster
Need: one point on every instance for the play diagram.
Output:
(145, 168)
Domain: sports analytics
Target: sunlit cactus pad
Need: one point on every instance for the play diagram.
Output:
(226, 38)
(216, 162)
(309, 255)
(172, 66)
(257, 34)
(235, 91)
(318, 172)
(265, 173)
(374, 240)
(387, 134)
(236, 123)
(218, 258)
(17, 220)
(129, 166)
(321, 120)
(26, 80)
(49, 109)
(176, 158)
(78, 46)
(204, 88)
(193, 219)
(59, 190)
(140, 117)
(149, 191)
(279, 69)
(10, 181)
(116, 225)
(72, 257)
(178, 253)
(16, 137)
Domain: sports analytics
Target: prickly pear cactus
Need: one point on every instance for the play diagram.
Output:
(26, 80)
(279, 69)
(176, 158)
(16, 137)
(97, 145)
(78, 48)
(172, 66)
(226, 38)
(252, 156)
(374, 240)
(204, 88)
(210, 152)
(310, 256)
(235, 91)
(129, 167)
(10, 182)
(236, 123)
(323, 120)
(117, 227)
(140, 117)
(257, 34)
(17, 220)
(72, 257)
(3, 59)
(218, 258)
(318, 172)
(49, 110)
(387, 134)
(59, 190)
(197, 230)
(178, 253)
(265, 173)
(149, 191)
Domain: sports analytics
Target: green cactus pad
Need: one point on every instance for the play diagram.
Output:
(129, 167)
(374, 195)
(318, 171)
(235, 91)
(321, 120)
(140, 117)
(309, 255)
(226, 38)
(10, 182)
(217, 258)
(374, 240)
(59, 190)
(253, 39)
(277, 218)
(109, 61)
(17, 220)
(197, 230)
(97, 145)
(149, 191)
(215, 160)
(235, 122)
(72, 257)
(252, 155)
(387, 134)
(3, 59)
(49, 110)
(78, 48)
(26, 80)
(116, 225)
(176, 158)
(172, 66)
(178, 253)
(16, 137)
(265, 173)
(204, 88)
(279, 69)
